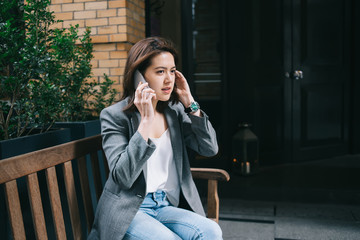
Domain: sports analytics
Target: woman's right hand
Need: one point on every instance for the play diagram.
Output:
(143, 102)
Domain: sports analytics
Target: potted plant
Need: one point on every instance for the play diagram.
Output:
(81, 99)
(28, 97)
(45, 74)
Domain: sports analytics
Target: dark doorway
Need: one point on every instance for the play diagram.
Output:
(287, 66)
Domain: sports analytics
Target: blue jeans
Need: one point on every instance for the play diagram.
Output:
(157, 219)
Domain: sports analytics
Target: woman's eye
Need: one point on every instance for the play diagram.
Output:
(160, 72)
(173, 71)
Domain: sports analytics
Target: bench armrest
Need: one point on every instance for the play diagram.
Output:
(210, 174)
(213, 175)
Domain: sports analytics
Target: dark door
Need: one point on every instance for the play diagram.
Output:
(320, 50)
(288, 67)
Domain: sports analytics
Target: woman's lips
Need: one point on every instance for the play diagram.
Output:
(166, 90)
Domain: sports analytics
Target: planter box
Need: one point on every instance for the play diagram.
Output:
(21, 145)
(81, 129)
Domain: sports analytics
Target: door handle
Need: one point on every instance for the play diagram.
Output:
(297, 74)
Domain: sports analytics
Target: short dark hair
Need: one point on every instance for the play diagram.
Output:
(139, 58)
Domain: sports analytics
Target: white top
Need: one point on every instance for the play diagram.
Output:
(160, 169)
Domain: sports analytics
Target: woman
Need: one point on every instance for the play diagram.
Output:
(145, 137)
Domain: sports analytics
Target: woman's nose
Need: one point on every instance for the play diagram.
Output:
(167, 77)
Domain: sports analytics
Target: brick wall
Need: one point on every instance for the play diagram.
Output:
(115, 26)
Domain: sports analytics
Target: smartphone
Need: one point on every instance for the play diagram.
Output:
(138, 77)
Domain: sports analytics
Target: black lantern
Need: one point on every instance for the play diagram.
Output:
(245, 151)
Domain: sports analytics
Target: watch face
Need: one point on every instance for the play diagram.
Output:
(194, 106)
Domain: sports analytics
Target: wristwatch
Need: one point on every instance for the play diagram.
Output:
(194, 106)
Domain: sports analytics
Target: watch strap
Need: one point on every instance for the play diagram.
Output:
(188, 110)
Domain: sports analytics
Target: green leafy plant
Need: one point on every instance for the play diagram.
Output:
(44, 73)
(80, 97)
(24, 55)
(103, 97)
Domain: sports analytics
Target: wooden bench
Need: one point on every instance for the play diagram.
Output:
(47, 160)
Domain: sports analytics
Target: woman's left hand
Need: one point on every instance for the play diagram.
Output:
(183, 89)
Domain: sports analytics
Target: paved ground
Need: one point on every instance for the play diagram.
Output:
(313, 200)
(258, 220)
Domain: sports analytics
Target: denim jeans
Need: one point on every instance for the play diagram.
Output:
(157, 219)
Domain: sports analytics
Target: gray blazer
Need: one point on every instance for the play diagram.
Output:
(126, 152)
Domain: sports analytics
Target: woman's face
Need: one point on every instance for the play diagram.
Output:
(161, 75)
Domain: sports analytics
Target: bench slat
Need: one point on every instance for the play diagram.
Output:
(14, 210)
(72, 200)
(55, 203)
(36, 206)
(85, 191)
(96, 172)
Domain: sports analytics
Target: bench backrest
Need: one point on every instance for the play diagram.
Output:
(73, 158)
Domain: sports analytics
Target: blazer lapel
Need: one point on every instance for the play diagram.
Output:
(175, 136)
